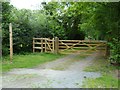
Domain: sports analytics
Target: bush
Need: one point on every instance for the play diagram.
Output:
(5, 50)
(115, 52)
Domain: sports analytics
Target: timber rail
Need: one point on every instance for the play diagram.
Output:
(55, 45)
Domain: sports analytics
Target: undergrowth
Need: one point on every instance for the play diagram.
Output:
(108, 77)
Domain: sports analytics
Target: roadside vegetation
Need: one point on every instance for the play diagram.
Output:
(66, 20)
(28, 61)
(109, 78)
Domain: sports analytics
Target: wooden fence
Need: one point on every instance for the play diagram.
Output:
(46, 44)
(55, 45)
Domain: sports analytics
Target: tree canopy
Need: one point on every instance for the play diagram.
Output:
(66, 20)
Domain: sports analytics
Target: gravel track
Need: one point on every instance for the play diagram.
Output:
(50, 75)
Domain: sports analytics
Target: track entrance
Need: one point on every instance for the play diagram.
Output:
(55, 45)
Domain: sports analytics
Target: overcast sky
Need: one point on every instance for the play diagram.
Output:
(34, 4)
(27, 4)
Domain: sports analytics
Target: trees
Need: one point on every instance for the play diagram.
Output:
(6, 19)
(66, 20)
(106, 21)
(26, 25)
(66, 17)
(97, 20)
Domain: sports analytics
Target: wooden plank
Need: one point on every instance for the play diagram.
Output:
(40, 38)
(81, 48)
(70, 40)
(62, 47)
(45, 46)
(50, 40)
(37, 43)
(48, 45)
(33, 46)
(41, 45)
(66, 43)
(53, 45)
(37, 47)
(11, 42)
(89, 44)
(92, 41)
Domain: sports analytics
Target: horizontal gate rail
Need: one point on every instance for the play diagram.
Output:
(55, 45)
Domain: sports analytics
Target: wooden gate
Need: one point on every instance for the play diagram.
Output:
(45, 45)
(55, 45)
(82, 44)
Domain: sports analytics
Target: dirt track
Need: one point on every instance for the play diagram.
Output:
(66, 72)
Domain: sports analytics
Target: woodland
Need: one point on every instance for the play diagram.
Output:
(66, 20)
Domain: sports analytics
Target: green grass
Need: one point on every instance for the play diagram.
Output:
(0, 67)
(108, 78)
(106, 81)
(101, 65)
(28, 61)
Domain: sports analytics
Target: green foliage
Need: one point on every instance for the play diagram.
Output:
(6, 19)
(66, 17)
(26, 25)
(115, 51)
(66, 20)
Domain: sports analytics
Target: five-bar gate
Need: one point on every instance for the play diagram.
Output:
(55, 45)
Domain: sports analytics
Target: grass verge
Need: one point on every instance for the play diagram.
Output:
(28, 61)
(108, 79)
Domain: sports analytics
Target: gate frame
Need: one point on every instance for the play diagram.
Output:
(53, 45)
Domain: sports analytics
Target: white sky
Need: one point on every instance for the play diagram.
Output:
(35, 4)
(27, 4)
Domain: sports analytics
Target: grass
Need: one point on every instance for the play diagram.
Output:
(106, 81)
(28, 61)
(108, 78)
(0, 67)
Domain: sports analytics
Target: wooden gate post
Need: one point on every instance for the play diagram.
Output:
(45, 44)
(41, 44)
(53, 45)
(11, 42)
(56, 45)
(33, 45)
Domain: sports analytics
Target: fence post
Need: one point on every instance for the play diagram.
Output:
(41, 44)
(11, 42)
(45, 45)
(53, 44)
(33, 45)
(56, 45)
